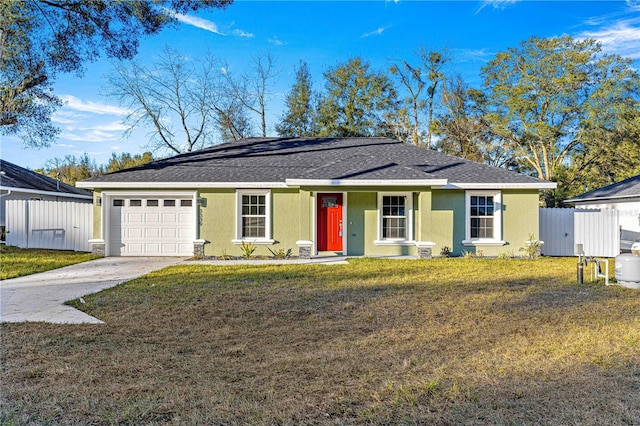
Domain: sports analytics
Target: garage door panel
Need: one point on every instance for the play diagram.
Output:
(152, 232)
(152, 217)
(152, 248)
(134, 233)
(151, 229)
(169, 217)
(184, 233)
(133, 218)
(168, 233)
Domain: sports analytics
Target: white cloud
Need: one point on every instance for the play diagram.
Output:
(111, 131)
(634, 5)
(378, 31)
(201, 23)
(276, 41)
(496, 4)
(76, 104)
(241, 33)
(207, 25)
(621, 37)
(472, 55)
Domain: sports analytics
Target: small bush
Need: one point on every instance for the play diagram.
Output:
(247, 249)
(280, 253)
(531, 248)
(445, 251)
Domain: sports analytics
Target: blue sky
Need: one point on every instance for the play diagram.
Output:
(324, 34)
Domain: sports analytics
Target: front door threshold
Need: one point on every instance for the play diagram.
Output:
(329, 253)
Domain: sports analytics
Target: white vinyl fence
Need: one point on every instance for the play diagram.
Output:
(598, 230)
(58, 225)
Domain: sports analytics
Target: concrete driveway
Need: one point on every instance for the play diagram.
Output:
(41, 297)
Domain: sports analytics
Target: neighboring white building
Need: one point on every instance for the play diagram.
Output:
(624, 197)
(18, 183)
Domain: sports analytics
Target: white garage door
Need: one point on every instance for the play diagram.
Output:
(151, 226)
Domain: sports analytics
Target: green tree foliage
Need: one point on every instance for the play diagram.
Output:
(559, 102)
(461, 128)
(358, 101)
(41, 38)
(299, 116)
(126, 161)
(411, 113)
(433, 62)
(70, 169)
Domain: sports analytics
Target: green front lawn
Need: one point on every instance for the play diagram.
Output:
(446, 341)
(16, 262)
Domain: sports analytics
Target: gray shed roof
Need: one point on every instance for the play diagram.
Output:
(627, 188)
(278, 160)
(14, 176)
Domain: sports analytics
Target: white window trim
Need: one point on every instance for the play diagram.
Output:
(409, 241)
(497, 220)
(267, 229)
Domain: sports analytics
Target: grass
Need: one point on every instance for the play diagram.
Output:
(446, 341)
(16, 262)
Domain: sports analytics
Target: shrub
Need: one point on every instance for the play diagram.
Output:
(531, 248)
(247, 249)
(280, 253)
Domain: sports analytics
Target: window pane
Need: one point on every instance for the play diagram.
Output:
(186, 203)
(135, 203)
(253, 227)
(169, 203)
(152, 203)
(118, 203)
(394, 228)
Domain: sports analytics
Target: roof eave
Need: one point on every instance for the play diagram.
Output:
(509, 185)
(601, 199)
(50, 193)
(178, 185)
(366, 182)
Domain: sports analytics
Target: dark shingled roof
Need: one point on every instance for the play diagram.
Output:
(278, 159)
(623, 189)
(14, 176)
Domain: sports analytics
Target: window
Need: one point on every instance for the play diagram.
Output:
(186, 203)
(118, 203)
(254, 216)
(169, 203)
(395, 212)
(394, 219)
(483, 214)
(152, 203)
(135, 203)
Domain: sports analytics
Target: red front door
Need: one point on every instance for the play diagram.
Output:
(329, 219)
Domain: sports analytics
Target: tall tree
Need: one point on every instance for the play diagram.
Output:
(41, 38)
(176, 97)
(410, 116)
(299, 116)
(462, 130)
(358, 101)
(253, 89)
(551, 97)
(433, 62)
